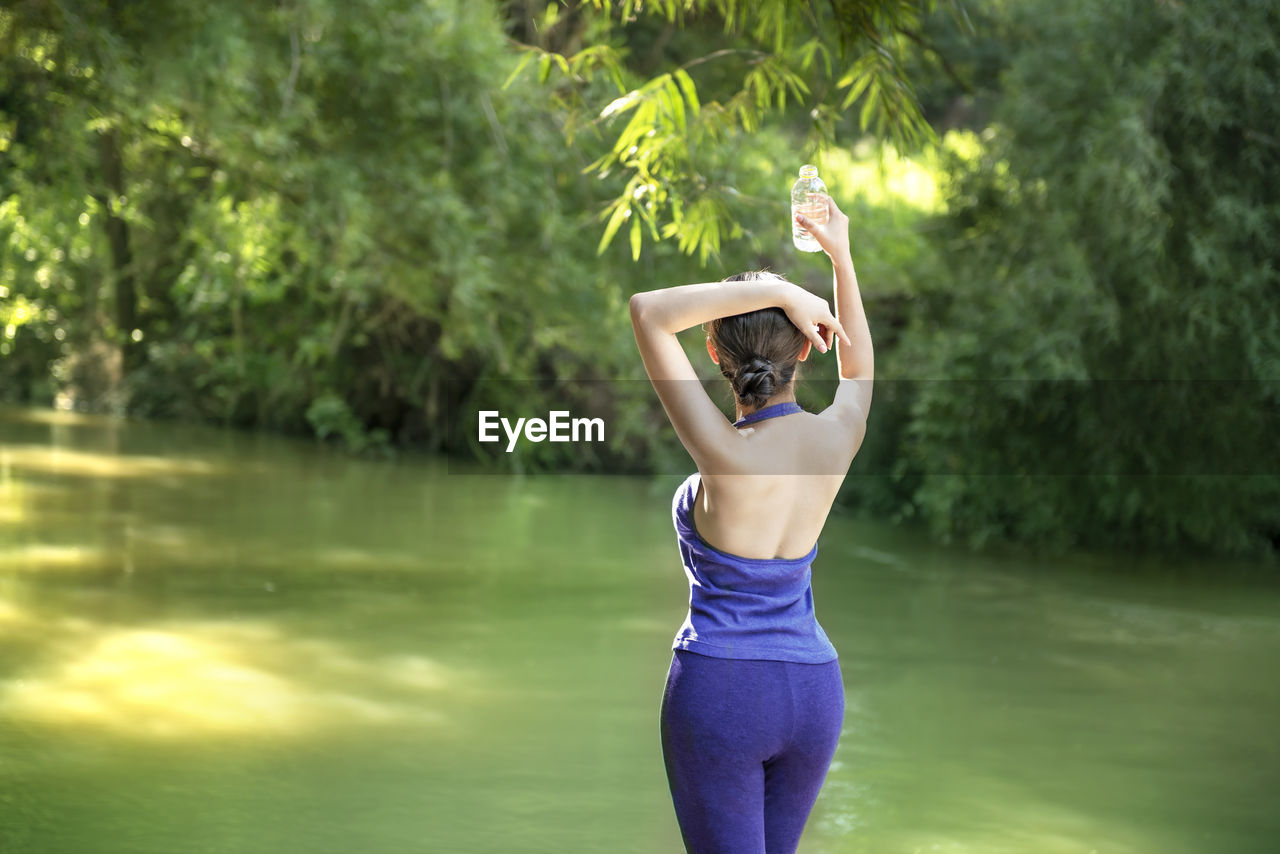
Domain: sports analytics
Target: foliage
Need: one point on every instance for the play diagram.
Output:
(811, 62)
(1106, 314)
(329, 201)
(360, 221)
(269, 250)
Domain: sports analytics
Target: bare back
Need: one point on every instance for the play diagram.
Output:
(779, 511)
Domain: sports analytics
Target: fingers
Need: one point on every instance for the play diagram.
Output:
(830, 329)
(832, 210)
(836, 217)
(835, 330)
(844, 336)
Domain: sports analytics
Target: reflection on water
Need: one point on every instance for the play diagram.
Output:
(238, 643)
(199, 680)
(61, 461)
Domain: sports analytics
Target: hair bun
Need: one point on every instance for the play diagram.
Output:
(757, 351)
(755, 379)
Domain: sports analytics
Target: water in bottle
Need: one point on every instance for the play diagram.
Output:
(808, 197)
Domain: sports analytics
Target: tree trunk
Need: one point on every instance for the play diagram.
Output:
(117, 230)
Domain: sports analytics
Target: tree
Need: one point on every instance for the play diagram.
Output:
(1105, 308)
(293, 206)
(657, 107)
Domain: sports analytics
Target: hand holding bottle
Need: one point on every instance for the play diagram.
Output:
(808, 197)
(832, 235)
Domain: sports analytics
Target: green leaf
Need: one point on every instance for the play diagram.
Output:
(869, 107)
(688, 89)
(621, 208)
(635, 238)
(858, 77)
(524, 60)
(621, 105)
(641, 123)
(674, 103)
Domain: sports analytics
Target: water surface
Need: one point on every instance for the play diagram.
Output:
(214, 641)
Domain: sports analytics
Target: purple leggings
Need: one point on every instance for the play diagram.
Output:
(747, 744)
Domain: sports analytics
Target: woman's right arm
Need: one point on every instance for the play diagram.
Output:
(855, 357)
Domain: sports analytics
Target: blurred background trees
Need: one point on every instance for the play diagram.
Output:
(1106, 304)
(356, 219)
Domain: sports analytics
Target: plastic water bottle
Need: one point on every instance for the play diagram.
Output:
(808, 197)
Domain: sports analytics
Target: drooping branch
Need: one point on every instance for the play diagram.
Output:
(947, 67)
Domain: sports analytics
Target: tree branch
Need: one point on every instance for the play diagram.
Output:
(946, 64)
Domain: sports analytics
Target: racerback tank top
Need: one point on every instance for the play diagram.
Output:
(739, 607)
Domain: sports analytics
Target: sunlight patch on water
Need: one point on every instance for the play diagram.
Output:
(11, 616)
(12, 509)
(351, 558)
(220, 678)
(998, 819)
(45, 556)
(1018, 836)
(1133, 624)
(65, 461)
(57, 418)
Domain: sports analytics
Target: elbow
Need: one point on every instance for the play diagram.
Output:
(643, 311)
(637, 305)
(862, 367)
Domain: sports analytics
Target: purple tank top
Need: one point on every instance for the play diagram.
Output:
(743, 607)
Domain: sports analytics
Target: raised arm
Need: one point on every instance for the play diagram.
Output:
(855, 355)
(656, 317)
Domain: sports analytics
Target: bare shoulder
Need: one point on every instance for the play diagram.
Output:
(845, 420)
(816, 443)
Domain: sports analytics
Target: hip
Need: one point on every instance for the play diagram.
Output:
(779, 700)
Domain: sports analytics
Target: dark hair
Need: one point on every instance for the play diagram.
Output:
(758, 350)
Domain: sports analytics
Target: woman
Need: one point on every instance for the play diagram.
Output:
(754, 699)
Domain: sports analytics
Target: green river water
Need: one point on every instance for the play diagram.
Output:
(214, 641)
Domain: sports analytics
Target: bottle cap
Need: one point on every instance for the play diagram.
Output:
(808, 171)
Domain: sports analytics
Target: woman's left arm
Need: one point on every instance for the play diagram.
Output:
(656, 317)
